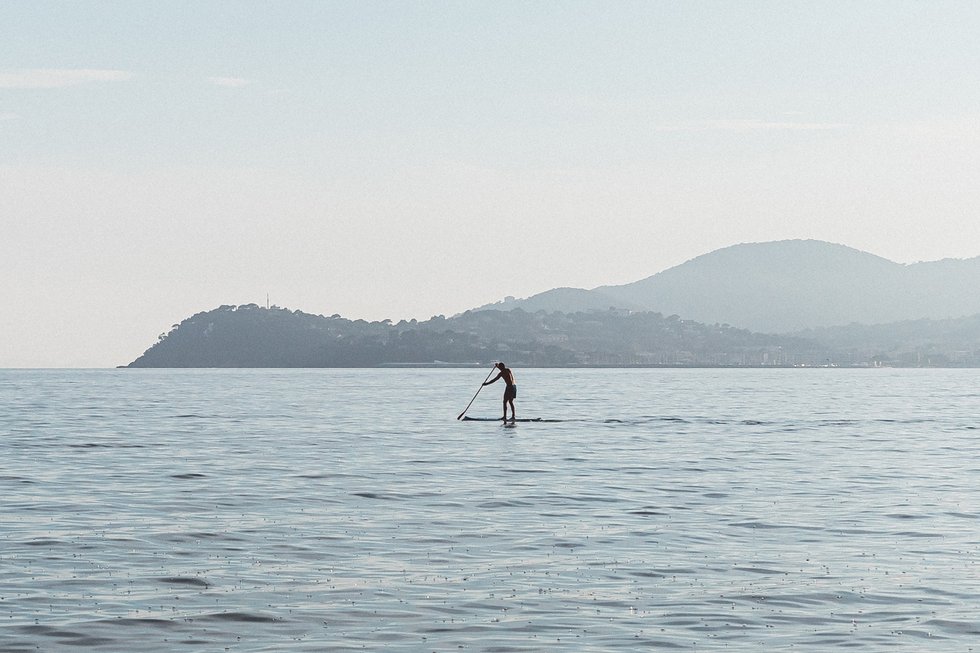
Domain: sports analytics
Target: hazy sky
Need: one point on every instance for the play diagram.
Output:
(405, 159)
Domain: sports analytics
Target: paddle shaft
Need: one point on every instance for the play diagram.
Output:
(477, 392)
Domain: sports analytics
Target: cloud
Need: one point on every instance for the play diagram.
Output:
(230, 82)
(6, 115)
(954, 130)
(59, 77)
(739, 125)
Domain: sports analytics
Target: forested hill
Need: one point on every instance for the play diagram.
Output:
(251, 336)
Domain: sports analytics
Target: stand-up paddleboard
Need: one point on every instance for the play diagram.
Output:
(498, 419)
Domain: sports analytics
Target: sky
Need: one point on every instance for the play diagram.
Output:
(410, 159)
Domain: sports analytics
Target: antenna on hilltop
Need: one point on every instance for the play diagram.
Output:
(267, 301)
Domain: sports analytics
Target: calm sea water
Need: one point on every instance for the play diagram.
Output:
(335, 510)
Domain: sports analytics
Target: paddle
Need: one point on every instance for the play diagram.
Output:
(477, 392)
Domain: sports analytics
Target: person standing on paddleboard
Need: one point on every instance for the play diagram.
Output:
(510, 392)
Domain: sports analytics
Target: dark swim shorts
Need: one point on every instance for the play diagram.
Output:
(510, 392)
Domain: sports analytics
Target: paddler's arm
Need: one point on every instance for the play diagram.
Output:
(494, 379)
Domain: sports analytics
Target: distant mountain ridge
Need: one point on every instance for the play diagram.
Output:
(785, 303)
(251, 336)
(786, 286)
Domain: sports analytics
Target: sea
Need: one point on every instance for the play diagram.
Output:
(349, 510)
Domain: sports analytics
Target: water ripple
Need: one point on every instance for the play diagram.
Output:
(338, 510)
